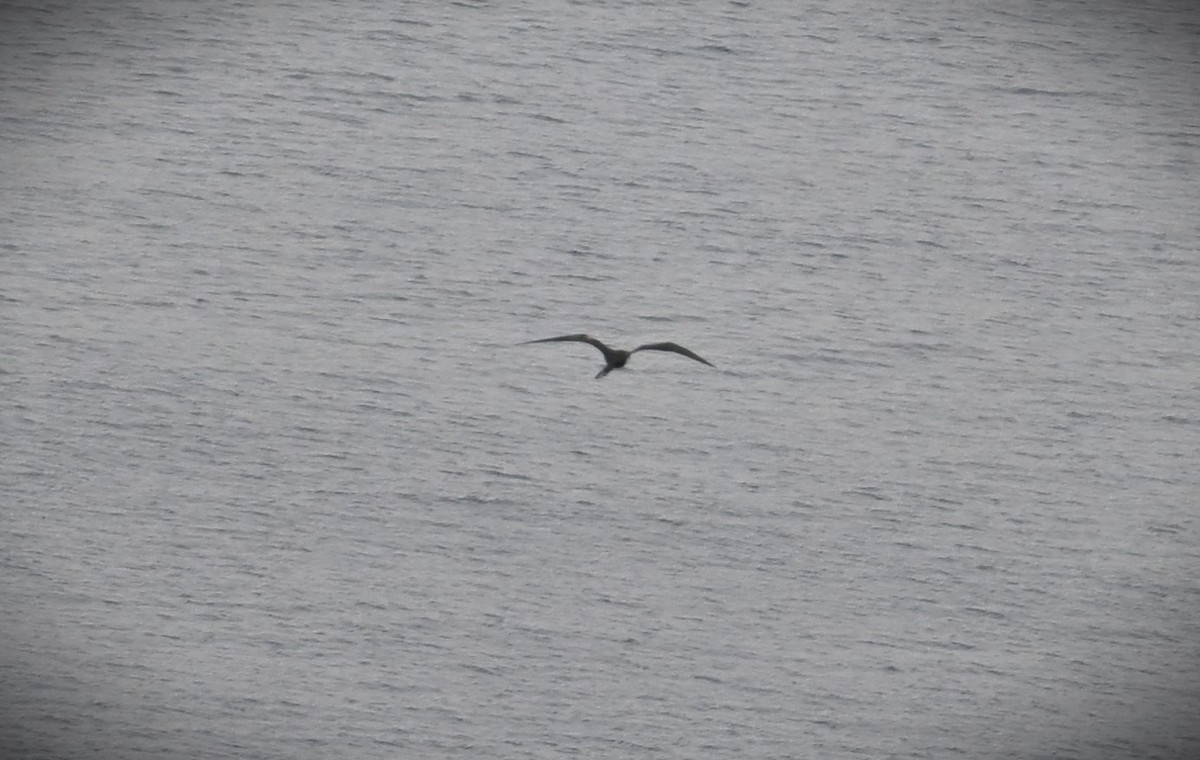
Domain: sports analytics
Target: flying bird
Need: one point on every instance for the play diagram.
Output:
(615, 358)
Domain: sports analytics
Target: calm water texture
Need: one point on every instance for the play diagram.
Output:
(277, 482)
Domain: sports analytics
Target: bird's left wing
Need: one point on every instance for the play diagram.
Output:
(676, 348)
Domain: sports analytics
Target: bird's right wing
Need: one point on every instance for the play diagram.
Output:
(578, 338)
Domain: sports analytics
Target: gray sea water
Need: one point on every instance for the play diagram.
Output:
(276, 480)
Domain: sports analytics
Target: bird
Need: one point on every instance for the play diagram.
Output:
(615, 358)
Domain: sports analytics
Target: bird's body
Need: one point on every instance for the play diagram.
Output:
(616, 358)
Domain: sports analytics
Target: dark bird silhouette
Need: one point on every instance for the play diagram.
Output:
(615, 358)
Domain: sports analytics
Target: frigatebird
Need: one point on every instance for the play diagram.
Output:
(615, 358)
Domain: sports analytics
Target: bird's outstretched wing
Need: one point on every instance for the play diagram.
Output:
(609, 354)
(676, 348)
